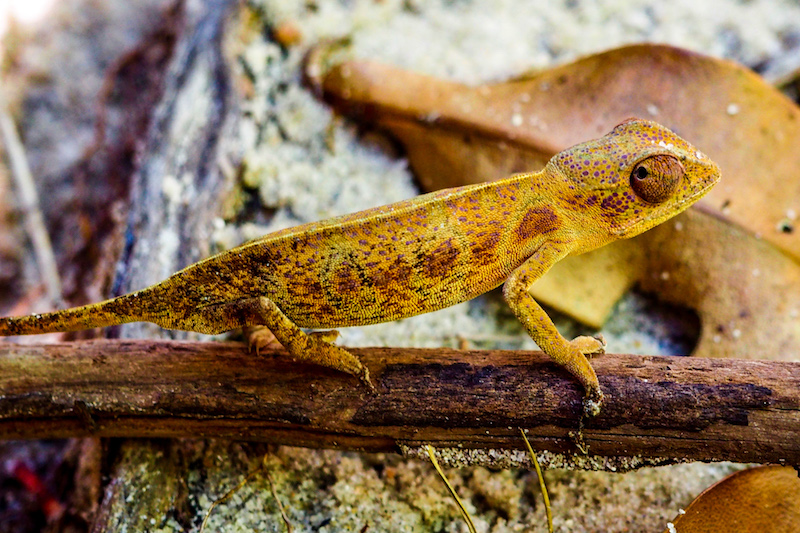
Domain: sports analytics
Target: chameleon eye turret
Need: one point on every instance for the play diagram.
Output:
(655, 178)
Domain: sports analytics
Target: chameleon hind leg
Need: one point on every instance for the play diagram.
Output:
(262, 338)
(310, 347)
(569, 354)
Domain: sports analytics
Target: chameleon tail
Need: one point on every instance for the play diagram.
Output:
(108, 313)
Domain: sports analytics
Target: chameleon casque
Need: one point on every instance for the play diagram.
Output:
(424, 254)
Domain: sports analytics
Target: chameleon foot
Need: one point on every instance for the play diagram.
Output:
(275, 325)
(594, 396)
(261, 338)
(592, 402)
(590, 345)
(319, 350)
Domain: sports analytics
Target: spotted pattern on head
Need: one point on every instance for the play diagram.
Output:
(635, 177)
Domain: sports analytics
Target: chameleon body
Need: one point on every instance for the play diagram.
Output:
(424, 254)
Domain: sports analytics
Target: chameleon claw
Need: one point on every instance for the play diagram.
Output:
(590, 345)
(602, 339)
(364, 377)
(260, 338)
(592, 402)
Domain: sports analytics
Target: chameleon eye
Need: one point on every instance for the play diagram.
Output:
(654, 179)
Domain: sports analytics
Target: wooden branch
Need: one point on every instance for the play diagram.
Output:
(662, 409)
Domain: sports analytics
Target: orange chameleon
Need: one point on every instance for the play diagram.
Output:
(424, 254)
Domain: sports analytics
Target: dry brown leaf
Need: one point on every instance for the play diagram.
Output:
(746, 291)
(456, 134)
(761, 499)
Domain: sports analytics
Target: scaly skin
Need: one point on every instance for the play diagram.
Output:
(424, 254)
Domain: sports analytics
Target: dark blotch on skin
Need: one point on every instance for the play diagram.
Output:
(441, 262)
(314, 288)
(484, 247)
(537, 221)
(345, 279)
(393, 278)
(612, 204)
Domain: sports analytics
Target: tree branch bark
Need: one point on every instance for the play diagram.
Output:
(658, 409)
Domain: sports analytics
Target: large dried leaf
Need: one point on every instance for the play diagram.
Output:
(744, 290)
(762, 499)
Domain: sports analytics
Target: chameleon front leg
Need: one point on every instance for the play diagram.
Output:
(313, 347)
(569, 354)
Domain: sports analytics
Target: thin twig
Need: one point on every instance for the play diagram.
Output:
(29, 205)
(284, 516)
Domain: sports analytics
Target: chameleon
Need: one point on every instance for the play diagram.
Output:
(424, 254)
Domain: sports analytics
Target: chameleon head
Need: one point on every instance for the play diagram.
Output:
(636, 177)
